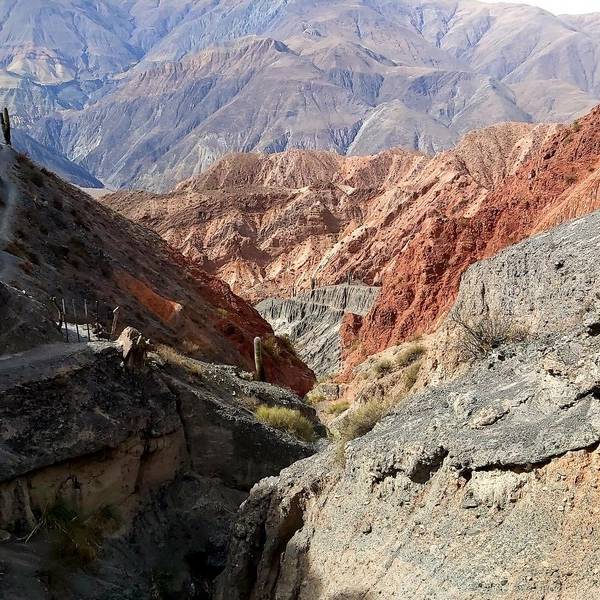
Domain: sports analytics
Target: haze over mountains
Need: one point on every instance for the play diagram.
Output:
(144, 95)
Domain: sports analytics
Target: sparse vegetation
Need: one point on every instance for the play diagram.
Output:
(360, 421)
(188, 346)
(315, 397)
(576, 127)
(76, 540)
(287, 343)
(410, 355)
(383, 367)
(286, 419)
(36, 178)
(571, 178)
(337, 408)
(271, 346)
(259, 369)
(477, 340)
(176, 359)
(325, 378)
(410, 375)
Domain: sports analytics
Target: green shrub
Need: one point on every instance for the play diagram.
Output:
(286, 419)
(338, 408)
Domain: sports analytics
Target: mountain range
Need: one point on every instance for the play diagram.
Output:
(142, 94)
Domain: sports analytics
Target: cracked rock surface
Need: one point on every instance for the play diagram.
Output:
(485, 486)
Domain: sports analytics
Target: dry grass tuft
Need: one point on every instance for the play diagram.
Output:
(478, 339)
(314, 397)
(286, 419)
(75, 540)
(275, 346)
(175, 359)
(337, 408)
(383, 367)
(410, 355)
(360, 421)
(410, 375)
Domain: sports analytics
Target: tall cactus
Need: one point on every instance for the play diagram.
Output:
(258, 360)
(5, 122)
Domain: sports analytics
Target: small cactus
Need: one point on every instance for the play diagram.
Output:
(258, 359)
(5, 122)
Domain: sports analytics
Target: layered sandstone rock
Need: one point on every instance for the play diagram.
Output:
(172, 451)
(312, 320)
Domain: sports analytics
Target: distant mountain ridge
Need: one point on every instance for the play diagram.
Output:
(146, 94)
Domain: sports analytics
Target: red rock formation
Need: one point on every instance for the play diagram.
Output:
(559, 181)
(408, 222)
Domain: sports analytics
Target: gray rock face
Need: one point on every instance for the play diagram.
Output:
(145, 94)
(173, 453)
(25, 322)
(480, 487)
(312, 321)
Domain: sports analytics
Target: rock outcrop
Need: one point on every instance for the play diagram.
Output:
(478, 487)
(172, 451)
(57, 241)
(25, 322)
(312, 321)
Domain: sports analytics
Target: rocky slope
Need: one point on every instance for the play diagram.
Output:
(147, 94)
(56, 163)
(474, 487)
(405, 221)
(151, 466)
(57, 241)
(312, 321)
(264, 223)
(556, 182)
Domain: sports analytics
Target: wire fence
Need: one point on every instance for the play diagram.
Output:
(85, 321)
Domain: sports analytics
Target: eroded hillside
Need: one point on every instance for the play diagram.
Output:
(57, 241)
(144, 94)
(274, 225)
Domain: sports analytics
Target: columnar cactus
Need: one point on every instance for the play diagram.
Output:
(5, 122)
(258, 359)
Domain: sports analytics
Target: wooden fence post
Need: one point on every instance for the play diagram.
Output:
(113, 330)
